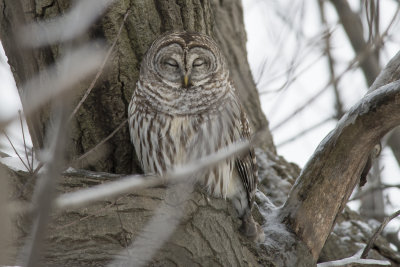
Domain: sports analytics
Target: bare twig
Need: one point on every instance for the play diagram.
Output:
(39, 166)
(305, 131)
(360, 194)
(23, 137)
(377, 233)
(16, 152)
(82, 157)
(100, 71)
(353, 63)
(291, 76)
(331, 62)
(290, 72)
(32, 155)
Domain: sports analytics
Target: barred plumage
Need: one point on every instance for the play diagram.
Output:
(184, 108)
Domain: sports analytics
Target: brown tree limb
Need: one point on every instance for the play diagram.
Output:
(328, 179)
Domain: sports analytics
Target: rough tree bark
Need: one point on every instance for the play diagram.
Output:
(208, 233)
(106, 106)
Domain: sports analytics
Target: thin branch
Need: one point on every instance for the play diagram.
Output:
(100, 71)
(370, 190)
(331, 63)
(369, 12)
(82, 157)
(353, 63)
(305, 131)
(39, 166)
(290, 72)
(33, 155)
(16, 152)
(377, 233)
(291, 76)
(23, 137)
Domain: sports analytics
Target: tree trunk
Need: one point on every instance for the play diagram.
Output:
(106, 106)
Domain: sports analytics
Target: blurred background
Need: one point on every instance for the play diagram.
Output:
(305, 64)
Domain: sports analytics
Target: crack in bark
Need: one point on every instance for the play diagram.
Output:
(181, 6)
(162, 18)
(43, 9)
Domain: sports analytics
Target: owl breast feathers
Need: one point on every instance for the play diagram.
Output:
(184, 108)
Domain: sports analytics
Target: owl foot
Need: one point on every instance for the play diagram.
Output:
(251, 229)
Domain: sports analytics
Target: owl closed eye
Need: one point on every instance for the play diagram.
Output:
(183, 67)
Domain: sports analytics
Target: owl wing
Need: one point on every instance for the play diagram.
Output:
(247, 163)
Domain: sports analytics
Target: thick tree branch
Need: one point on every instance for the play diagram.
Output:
(326, 182)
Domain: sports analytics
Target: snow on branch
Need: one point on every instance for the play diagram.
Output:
(355, 259)
(328, 179)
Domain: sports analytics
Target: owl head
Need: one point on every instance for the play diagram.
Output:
(184, 61)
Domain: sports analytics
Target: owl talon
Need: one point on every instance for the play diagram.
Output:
(252, 229)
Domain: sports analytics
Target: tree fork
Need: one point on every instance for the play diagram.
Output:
(328, 179)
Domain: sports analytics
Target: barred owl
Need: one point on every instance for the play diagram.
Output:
(184, 108)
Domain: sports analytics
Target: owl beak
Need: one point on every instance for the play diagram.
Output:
(186, 81)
